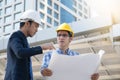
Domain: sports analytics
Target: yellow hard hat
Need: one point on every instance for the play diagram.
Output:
(65, 27)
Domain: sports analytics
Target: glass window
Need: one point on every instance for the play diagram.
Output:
(48, 26)
(18, 7)
(0, 20)
(1, 3)
(74, 10)
(42, 25)
(65, 15)
(85, 17)
(80, 6)
(68, 3)
(17, 16)
(8, 2)
(43, 0)
(49, 2)
(85, 3)
(80, 0)
(56, 15)
(7, 28)
(80, 14)
(17, 0)
(42, 15)
(49, 11)
(1, 30)
(16, 26)
(49, 20)
(1, 12)
(55, 23)
(85, 10)
(8, 19)
(55, 6)
(8, 10)
(42, 6)
(74, 3)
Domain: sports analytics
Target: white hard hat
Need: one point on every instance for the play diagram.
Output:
(31, 15)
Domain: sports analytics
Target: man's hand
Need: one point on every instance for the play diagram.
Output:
(95, 76)
(46, 72)
(47, 46)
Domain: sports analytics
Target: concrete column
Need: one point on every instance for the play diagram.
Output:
(116, 37)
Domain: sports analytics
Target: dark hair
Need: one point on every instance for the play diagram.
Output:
(23, 23)
(69, 33)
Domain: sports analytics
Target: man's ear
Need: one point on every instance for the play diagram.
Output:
(27, 23)
(71, 38)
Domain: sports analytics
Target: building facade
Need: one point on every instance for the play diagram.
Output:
(52, 12)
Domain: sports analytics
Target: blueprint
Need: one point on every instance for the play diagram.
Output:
(79, 67)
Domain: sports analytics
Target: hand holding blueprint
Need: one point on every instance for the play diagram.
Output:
(79, 67)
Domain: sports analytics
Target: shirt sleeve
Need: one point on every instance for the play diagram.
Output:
(46, 60)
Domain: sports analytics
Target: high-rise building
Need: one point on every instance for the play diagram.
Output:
(52, 12)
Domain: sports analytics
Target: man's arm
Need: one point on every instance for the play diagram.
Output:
(45, 62)
(20, 51)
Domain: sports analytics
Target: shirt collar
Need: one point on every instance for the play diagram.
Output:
(21, 34)
(62, 52)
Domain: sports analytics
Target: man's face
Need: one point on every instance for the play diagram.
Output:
(32, 29)
(63, 39)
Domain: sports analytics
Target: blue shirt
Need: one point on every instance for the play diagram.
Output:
(47, 56)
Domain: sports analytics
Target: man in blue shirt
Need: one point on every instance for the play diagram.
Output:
(19, 66)
(64, 37)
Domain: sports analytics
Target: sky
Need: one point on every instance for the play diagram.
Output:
(104, 6)
(100, 7)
